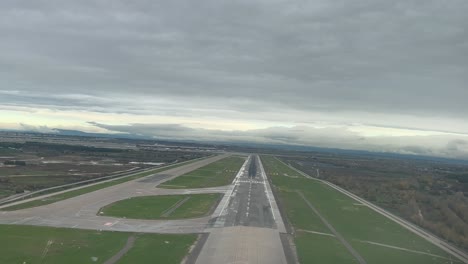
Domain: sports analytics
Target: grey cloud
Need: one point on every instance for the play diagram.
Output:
(387, 63)
(386, 56)
(40, 129)
(338, 137)
(457, 145)
(273, 135)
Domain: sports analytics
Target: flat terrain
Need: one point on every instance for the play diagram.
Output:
(80, 191)
(159, 248)
(162, 206)
(313, 248)
(81, 243)
(29, 244)
(365, 230)
(35, 163)
(81, 211)
(326, 225)
(218, 173)
(431, 193)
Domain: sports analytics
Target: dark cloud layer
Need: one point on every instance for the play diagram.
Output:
(400, 56)
(399, 63)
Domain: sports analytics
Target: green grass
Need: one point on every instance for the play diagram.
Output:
(27, 244)
(92, 188)
(4, 193)
(5, 151)
(353, 221)
(299, 213)
(155, 207)
(314, 248)
(159, 248)
(278, 168)
(218, 173)
(384, 255)
(32, 170)
(31, 244)
(46, 181)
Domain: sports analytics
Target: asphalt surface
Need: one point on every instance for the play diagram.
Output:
(249, 204)
(246, 225)
(242, 244)
(81, 211)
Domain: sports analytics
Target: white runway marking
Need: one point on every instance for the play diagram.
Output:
(252, 181)
(234, 183)
(248, 200)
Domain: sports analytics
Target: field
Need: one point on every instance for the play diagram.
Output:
(315, 248)
(218, 173)
(160, 248)
(44, 164)
(163, 206)
(70, 194)
(430, 193)
(28, 244)
(372, 235)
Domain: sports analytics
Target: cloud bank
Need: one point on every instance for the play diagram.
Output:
(253, 70)
(443, 145)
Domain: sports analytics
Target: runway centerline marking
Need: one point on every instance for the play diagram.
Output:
(248, 200)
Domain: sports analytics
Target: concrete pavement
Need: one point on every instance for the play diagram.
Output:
(246, 225)
(81, 211)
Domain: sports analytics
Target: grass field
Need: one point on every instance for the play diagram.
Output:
(321, 249)
(163, 206)
(92, 188)
(356, 223)
(160, 248)
(218, 173)
(30, 244)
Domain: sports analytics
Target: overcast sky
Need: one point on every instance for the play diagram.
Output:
(364, 74)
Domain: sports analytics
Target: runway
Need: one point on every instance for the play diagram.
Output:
(246, 226)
